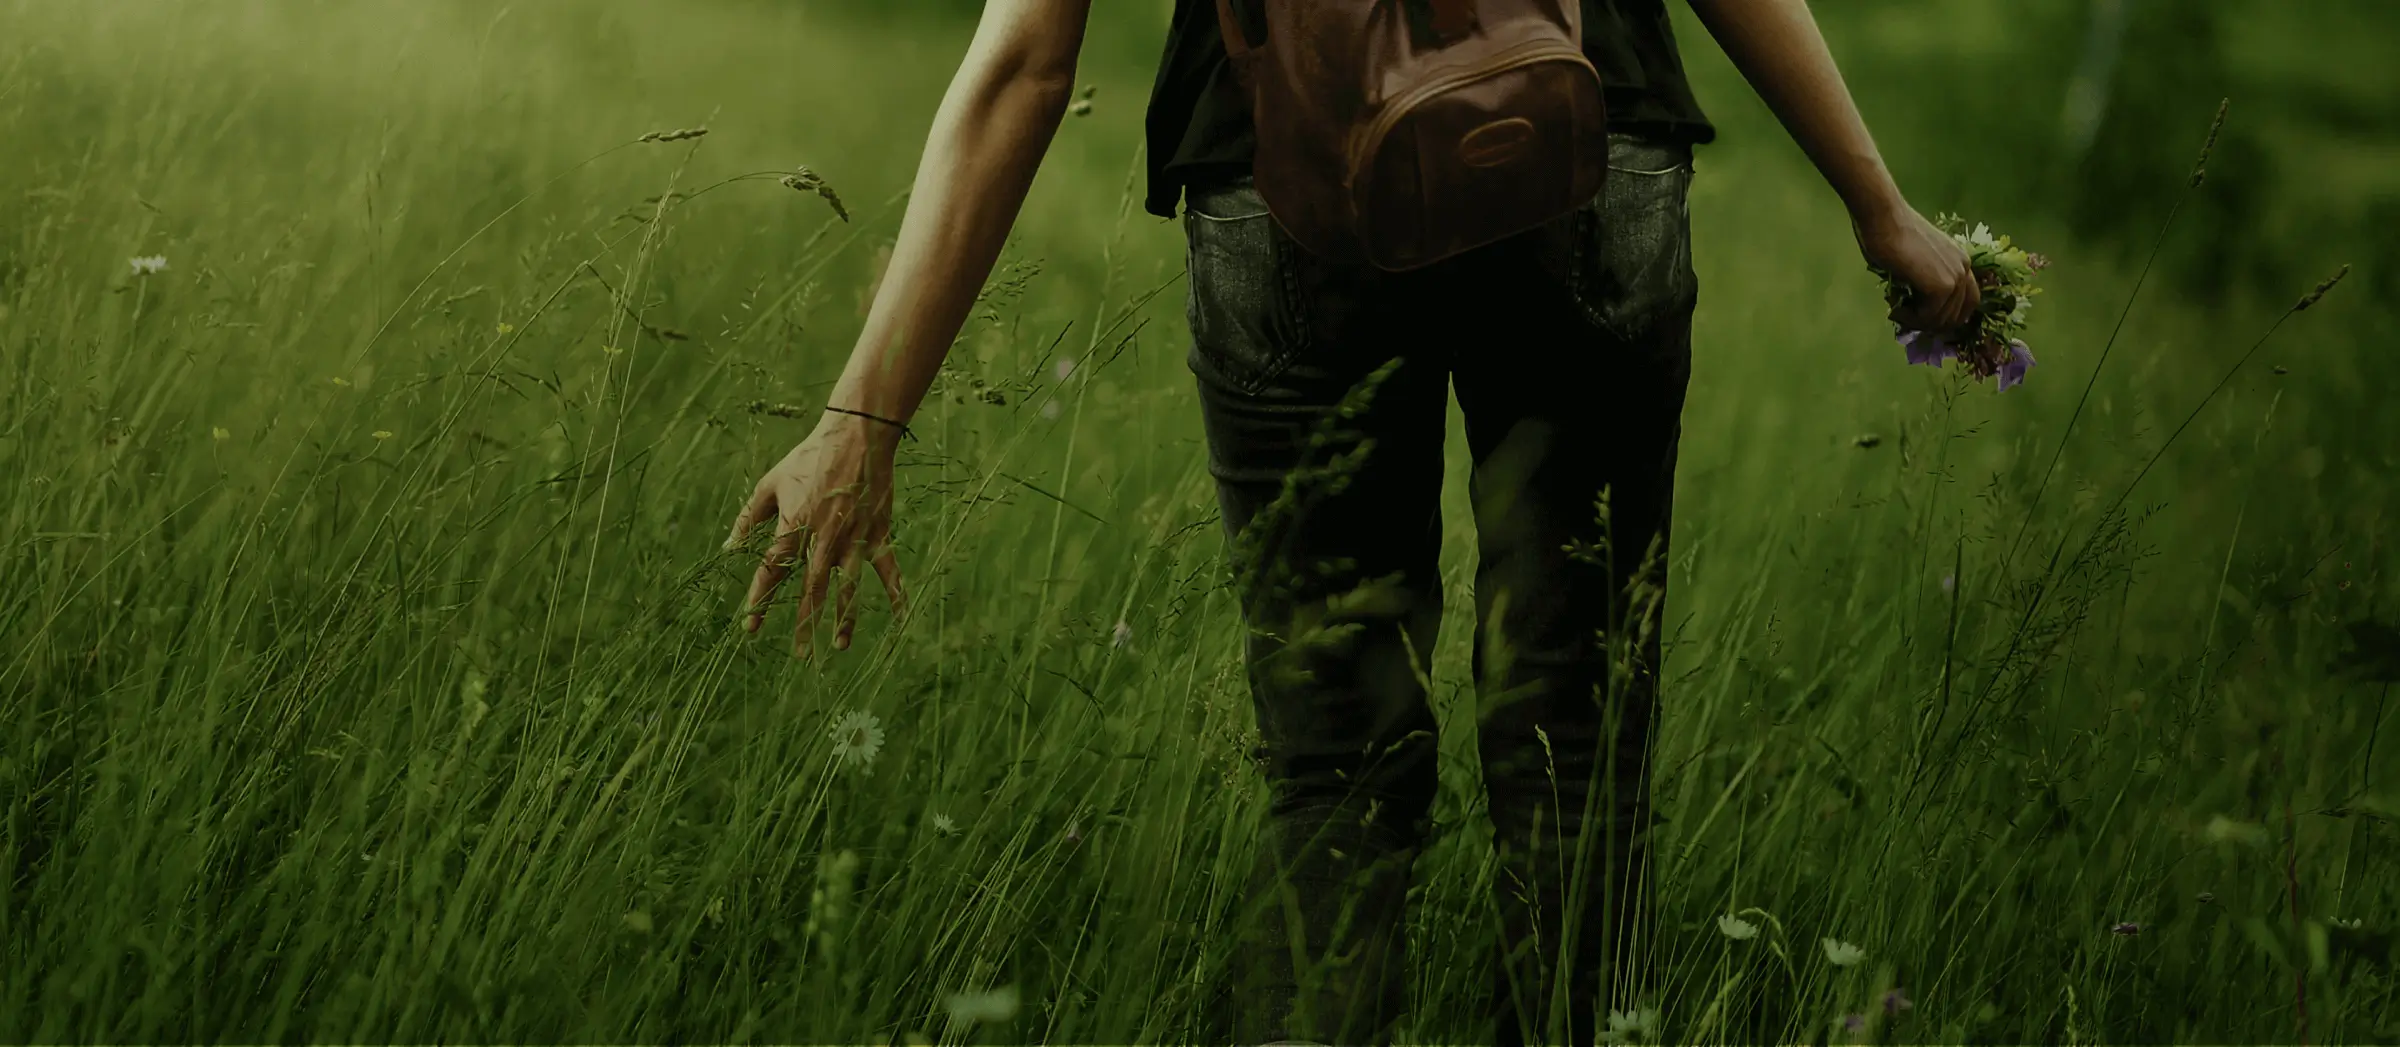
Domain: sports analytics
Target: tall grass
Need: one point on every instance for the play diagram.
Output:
(370, 669)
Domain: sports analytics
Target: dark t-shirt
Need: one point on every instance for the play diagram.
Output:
(1199, 119)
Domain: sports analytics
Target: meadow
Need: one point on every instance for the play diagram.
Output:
(374, 400)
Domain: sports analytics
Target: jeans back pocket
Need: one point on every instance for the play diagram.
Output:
(1631, 267)
(1242, 293)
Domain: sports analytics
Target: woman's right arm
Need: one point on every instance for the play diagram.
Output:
(834, 490)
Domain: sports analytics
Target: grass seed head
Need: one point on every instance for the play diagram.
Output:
(804, 180)
(2313, 296)
(2200, 169)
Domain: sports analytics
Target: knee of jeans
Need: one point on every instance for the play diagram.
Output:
(1366, 828)
(1391, 810)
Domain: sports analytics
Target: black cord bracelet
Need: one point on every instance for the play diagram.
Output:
(904, 429)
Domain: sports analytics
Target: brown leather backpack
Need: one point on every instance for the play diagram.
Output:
(1401, 133)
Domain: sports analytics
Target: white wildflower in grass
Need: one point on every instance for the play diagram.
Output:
(381, 434)
(470, 695)
(1736, 928)
(829, 903)
(147, 264)
(506, 327)
(1634, 1026)
(2225, 830)
(991, 1005)
(1064, 367)
(220, 433)
(944, 825)
(857, 737)
(1120, 634)
(1842, 954)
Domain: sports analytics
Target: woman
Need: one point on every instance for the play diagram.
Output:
(1569, 349)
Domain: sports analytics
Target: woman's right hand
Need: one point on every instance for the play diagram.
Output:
(1899, 241)
(833, 492)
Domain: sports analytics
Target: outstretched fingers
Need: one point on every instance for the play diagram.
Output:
(814, 579)
(887, 570)
(845, 593)
(772, 569)
(759, 509)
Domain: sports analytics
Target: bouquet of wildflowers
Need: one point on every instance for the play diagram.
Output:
(1991, 344)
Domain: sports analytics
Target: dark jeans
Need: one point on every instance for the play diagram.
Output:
(1323, 391)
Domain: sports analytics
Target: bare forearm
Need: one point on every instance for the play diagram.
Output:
(1776, 45)
(987, 141)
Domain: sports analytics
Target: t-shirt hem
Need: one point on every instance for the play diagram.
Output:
(1172, 178)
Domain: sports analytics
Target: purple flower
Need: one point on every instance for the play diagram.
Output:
(2020, 360)
(2128, 929)
(1895, 1000)
(1925, 347)
(1854, 1022)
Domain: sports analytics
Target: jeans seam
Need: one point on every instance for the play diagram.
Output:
(1287, 262)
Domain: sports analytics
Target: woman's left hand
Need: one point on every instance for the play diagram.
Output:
(833, 491)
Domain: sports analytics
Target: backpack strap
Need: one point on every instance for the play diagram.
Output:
(1237, 41)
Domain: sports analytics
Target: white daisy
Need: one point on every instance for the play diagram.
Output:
(146, 265)
(857, 737)
(991, 1005)
(1736, 928)
(944, 825)
(1634, 1026)
(1842, 954)
(2221, 829)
